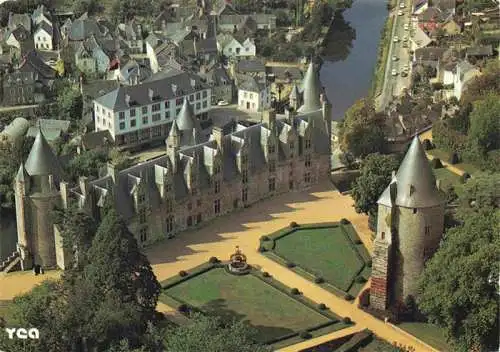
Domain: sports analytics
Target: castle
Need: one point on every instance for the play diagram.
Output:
(199, 178)
(409, 229)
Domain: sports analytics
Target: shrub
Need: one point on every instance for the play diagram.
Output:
(322, 306)
(427, 144)
(360, 280)
(182, 273)
(262, 249)
(266, 274)
(305, 335)
(364, 298)
(319, 280)
(436, 163)
(213, 260)
(293, 224)
(358, 241)
(344, 221)
(290, 265)
(369, 263)
(348, 297)
(294, 291)
(183, 308)
(465, 176)
(265, 238)
(346, 320)
(454, 158)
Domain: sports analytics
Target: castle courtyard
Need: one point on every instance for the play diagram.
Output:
(322, 203)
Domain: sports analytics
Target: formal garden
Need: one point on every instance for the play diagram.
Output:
(329, 254)
(280, 314)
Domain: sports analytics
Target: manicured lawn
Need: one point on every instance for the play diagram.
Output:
(445, 156)
(4, 306)
(446, 177)
(430, 334)
(271, 311)
(324, 252)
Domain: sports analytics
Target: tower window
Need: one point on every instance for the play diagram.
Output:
(382, 235)
(427, 230)
(414, 210)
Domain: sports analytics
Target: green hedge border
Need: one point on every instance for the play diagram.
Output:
(351, 236)
(203, 268)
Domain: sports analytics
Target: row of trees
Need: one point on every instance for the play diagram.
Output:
(106, 300)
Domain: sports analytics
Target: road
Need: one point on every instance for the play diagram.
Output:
(398, 57)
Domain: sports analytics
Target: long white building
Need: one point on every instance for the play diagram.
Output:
(143, 113)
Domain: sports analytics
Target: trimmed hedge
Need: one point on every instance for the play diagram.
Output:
(293, 225)
(465, 176)
(262, 249)
(290, 265)
(348, 297)
(436, 163)
(265, 238)
(183, 308)
(294, 291)
(183, 273)
(344, 221)
(360, 280)
(305, 335)
(266, 274)
(358, 241)
(369, 263)
(213, 260)
(319, 280)
(427, 144)
(346, 320)
(322, 306)
(454, 158)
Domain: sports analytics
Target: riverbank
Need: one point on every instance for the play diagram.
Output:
(383, 53)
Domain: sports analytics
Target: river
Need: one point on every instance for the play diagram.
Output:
(351, 54)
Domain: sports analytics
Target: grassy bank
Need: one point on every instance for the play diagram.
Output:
(382, 57)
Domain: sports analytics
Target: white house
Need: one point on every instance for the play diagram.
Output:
(420, 6)
(18, 36)
(43, 36)
(419, 39)
(142, 113)
(464, 73)
(253, 94)
(237, 49)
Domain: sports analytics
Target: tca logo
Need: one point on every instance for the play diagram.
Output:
(22, 333)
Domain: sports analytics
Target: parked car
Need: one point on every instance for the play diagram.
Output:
(402, 5)
(394, 72)
(396, 39)
(394, 58)
(222, 103)
(405, 26)
(404, 73)
(400, 13)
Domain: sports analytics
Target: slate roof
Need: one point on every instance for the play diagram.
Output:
(236, 136)
(480, 50)
(51, 128)
(311, 90)
(16, 19)
(21, 34)
(217, 76)
(16, 129)
(186, 119)
(82, 29)
(429, 54)
(46, 27)
(161, 84)
(430, 14)
(133, 70)
(34, 63)
(250, 83)
(444, 5)
(414, 185)
(251, 66)
(41, 159)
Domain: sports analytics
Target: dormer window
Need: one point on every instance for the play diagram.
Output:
(271, 148)
(216, 169)
(307, 143)
(216, 187)
(142, 216)
(244, 160)
(272, 166)
(141, 198)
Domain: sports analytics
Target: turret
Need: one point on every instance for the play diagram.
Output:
(311, 90)
(187, 124)
(294, 98)
(173, 143)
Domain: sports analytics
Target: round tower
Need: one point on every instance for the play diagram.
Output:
(44, 172)
(409, 229)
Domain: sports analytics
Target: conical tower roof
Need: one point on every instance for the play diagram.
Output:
(311, 90)
(174, 130)
(21, 173)
(416, 184)
(41, 159)
(186, 119)
(294, 94)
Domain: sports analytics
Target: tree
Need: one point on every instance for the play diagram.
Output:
(87, 163)
(69, 103)
(92, 7)
(117, 264)
(376, 171)
(211, 334)
(484, 131)
(362, 131)
(481, 86)
(465, 301)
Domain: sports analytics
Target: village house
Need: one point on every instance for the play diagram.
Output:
(451, 27)
(478, 52)
(131, 73)
(231, 47)
(131, 34)
(141, 113)
(19, 19)
(420, 6)
(455, 77)
(44, 36)
(254, 93)
(419, 40)
(19, 40)
(95, 55)
(222, 85)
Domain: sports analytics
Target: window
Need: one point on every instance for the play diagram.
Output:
(205, 104)
(156, 131)
(244, 195)
(216, 168)
(427, 230)
(272, 184)
(251, 95)
(217, 187)
(189, 221)
(307, 161)
(198, 203)
(133, 123)
(178, 101)
(121, 115)
(168, 187)
(177, 111)
(217, 206)
(167, 114)
(205, 94)
(307, 177)
(156, 117)
(156, 107)
(272, 166)
(271, 148)
(198, 96)
(244, 159)
(198, 218)
(143, 233)
(307, 143)
(142, 216)
(245, 94)
(141, 198)
(144, 110)
(414, 210)
(167, 104)
(109, 114)
(132, 112)
(190, 206)
(170, 224)
(169, 206)
(145, 119)
(244, 176)
(290, 184)
(191, 97)
(198, 106)
(122, 125)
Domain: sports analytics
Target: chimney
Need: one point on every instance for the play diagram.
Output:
(393, 174)
(174, 89)
(150, 94)
(112, 171)
(290, 115)
(63, 189)
(193, 83)
(269, 117)
(194, 47)
(218, 136)
(83, 182)
(127, 100)
(438, 184)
